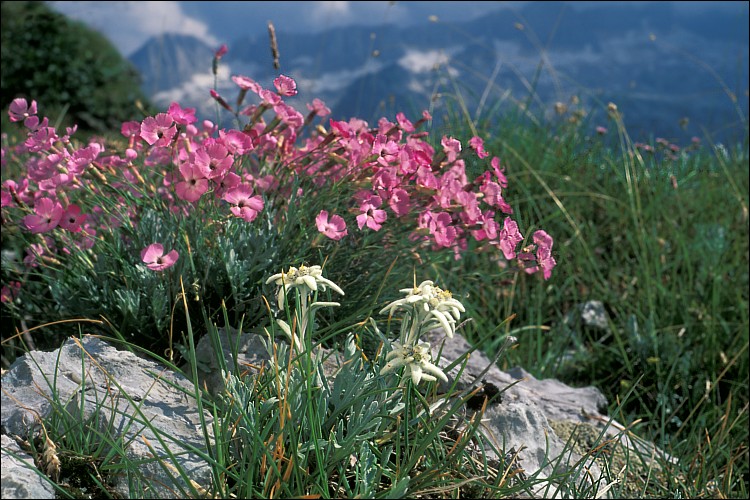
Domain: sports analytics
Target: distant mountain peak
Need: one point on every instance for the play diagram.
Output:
(168, 60)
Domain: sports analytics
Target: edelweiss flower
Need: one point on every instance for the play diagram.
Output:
(434, 306)
(306, 279)
(417, 360)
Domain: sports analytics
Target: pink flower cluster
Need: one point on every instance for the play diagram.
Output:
(395, 174)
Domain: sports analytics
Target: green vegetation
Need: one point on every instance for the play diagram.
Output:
(662, 241)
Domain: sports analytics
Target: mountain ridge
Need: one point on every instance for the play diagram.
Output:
(597, 54)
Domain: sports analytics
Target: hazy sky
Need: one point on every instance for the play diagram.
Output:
(129, 24)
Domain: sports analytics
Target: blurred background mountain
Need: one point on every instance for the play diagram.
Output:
(674, 69)
(672, 73)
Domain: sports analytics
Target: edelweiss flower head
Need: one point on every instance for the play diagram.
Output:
(420, 294)
(417, 360)
(305, 279)
(434, 306)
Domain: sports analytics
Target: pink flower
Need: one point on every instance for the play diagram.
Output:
(399, 202)
(33, 124)
(341, 128)
(601, 130)
(47, 215)
(72, 218)
(404, 123)
(213, 160)
(183, 116)
(371, 215)
(442, 230)
(131, 130)
(488, 227)
(9, 293)
(83, 157)
(41, 139)
(229, 181)
(493, 196)
(319, 108)
(544, 258)
(153, 256)
(208, 127)
(269, 97)
(384, 180)
(426, 179)
(451, 147)
(500, 173)
(20, 110)
(194, 184)
(266, 183)
(246, 83)
(236, 141)
(289, 115)
(244, 205)
(478, 144)
(386, 150)
(158, 130)
(334, 229)
(21, 190)
(510, 237)
(645, 147)
(6, 199)
(470, 204)
(221, 51)
(407, 162)
(34, 255)
(285, 86)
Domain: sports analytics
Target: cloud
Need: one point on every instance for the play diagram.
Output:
(335, 81)
(422, 61)
(191, 93)
(325, 9)
(326, 14)
(129, 24)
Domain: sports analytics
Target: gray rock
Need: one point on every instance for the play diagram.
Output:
(591, 314)
(246, 352)
(524, 420)
(21, 479)
(556, 400)
(531, 446)
(132, 401)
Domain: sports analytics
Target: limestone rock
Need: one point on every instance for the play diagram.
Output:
(132, 401)
(248, 351)
(20, 479)
(528, 416)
